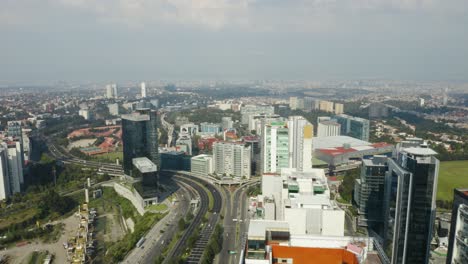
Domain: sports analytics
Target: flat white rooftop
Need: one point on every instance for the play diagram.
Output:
(144, 165)
(202, 157)
(257, 228)
(337, 141)
(420, 151)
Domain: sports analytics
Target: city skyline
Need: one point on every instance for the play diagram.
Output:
(144, 40)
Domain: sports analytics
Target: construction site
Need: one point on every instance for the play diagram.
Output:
(80, 248)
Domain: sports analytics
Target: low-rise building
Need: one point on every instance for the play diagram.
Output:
(328, 129)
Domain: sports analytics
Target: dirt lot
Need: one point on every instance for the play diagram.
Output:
(21, 254)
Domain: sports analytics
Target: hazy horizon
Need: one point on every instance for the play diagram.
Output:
(86, 40)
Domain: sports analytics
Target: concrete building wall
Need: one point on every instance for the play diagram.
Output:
(270, 211)
(296, 217)
(272, 185)
(328, 129)
(314, 221)
(333, 222)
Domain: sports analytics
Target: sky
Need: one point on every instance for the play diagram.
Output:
(119, 40)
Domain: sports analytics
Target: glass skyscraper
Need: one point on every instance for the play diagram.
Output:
(458, 238)
(410, 190)
(369, 192)
(139, 137)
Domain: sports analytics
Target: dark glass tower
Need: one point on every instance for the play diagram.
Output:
(410, 190)
(458, 237)
(139, 137)
(369, 192)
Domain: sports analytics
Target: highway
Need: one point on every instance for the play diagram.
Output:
(234, 231)
(161, 234)
(197, 252)
(180, 246)
(155, 240)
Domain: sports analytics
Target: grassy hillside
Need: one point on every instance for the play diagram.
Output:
(452, 174)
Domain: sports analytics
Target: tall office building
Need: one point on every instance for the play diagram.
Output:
(15, 164)
(410, 194)
(232, 159)
(5, 191)
(286, 144)
(111, 91)
(300, 143)
(458, 237)
(140, 137)
(274, 146)
(143, 90)
(328, 129)
(369, 192)
(14, 130)
(11, 168)
(355, 127)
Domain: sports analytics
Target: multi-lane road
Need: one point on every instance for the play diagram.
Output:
(236, 222)
(160, 234)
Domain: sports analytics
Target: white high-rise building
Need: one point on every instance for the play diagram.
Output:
(114, 90)
(143, 90)
(15, 165)
(111, 91)
(301, 132)
(232, 159)
(328, 129)
(274, 146)
(4, 175)
(286, 144)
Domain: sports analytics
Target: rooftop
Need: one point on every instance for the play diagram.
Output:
(202, 157)
(377, 160)
(144, 165)
(330, 123)
(258, 228)
(420, 151)
(337, 141)
(136, 117)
